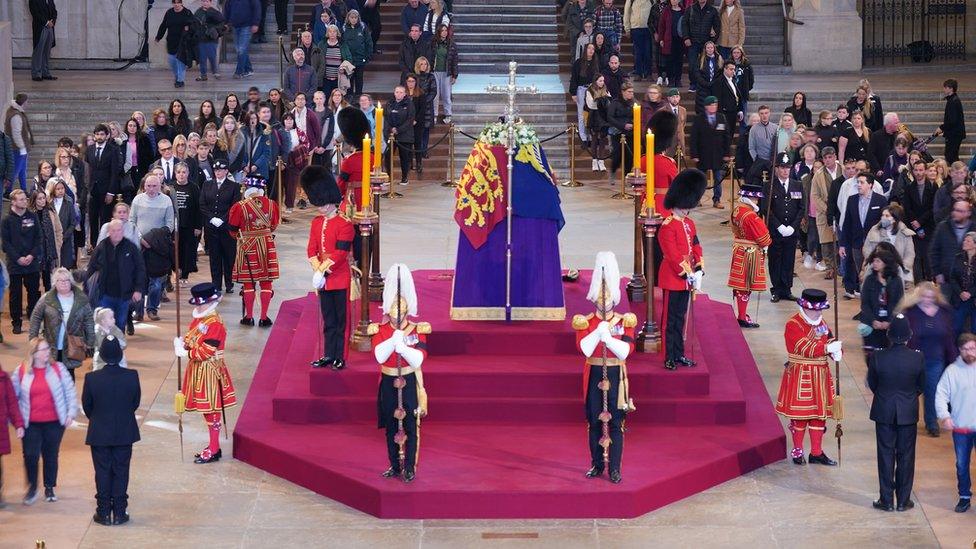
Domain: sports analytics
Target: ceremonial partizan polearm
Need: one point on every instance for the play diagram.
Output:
(510, 119)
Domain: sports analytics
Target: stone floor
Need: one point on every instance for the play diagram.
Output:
(230, 504)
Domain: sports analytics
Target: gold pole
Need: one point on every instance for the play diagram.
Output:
(281, 188)
(451, 181)
(637, 287)
(623, 194)
(572, 181)
(365, 220)
(391, 144)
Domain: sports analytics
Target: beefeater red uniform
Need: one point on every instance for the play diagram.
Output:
(207, 385)
(806, 392)
(329, 244)
(681, 256)
(252, 221)
(748, 271)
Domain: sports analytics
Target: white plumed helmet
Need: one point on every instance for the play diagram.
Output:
(407, 289)
(606, 268)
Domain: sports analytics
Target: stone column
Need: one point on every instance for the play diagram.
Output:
(829, 38)
(6, 63)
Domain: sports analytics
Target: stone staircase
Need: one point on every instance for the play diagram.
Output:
(764, 32)
(490, 33)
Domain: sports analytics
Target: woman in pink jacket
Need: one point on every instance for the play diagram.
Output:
(9, 413)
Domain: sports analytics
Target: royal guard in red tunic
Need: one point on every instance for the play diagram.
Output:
(606, 339)
(682, 266)
(354, 127)
(207, 387)
(663, 124)
(252, 221)
(400, 347)
(329, 244)
(806, 393)
(750, 240)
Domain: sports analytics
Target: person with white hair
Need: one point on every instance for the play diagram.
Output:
(400, 347)
(606, 339)
(252, 221)
(300, 77)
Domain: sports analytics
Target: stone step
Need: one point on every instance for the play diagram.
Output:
(492, 17)
(501, 67)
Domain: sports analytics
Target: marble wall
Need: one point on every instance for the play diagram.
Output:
(86, 29)
(6, 64)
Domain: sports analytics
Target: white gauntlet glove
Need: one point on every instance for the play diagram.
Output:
(785, 230)
(835, 350)
(178, 349)
(318, 280)
(216, 222)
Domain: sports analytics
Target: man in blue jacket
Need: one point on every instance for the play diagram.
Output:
(244, 16)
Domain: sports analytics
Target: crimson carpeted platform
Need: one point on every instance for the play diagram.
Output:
(506, 437)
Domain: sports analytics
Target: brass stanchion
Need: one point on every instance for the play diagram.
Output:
(679, 156)
(572, 181)
(637, 287)
(649, 337)
(623, 194)
(365, 220)
(279, 167)
(390, 147)
(731, 191)
(451, 181)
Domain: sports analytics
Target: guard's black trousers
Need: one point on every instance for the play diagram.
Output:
(386, 407)
(594, 406)
(111, 478)
(896, 460)
(332, 304)
(782, 257)
(676, 309)
(222, 250)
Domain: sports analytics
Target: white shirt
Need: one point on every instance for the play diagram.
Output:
(848, 189)
(57, 204)
(734, 90)
(167, 166)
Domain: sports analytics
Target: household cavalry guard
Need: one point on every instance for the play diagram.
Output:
(750, 240)
(606, 339)
(400, 347)
(252, 221)
(207, 387)
(806, 392)
(682, 265)
(329, 243)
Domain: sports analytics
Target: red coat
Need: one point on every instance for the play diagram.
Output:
(622, 327)
(665, 170)
(9, 412)
(807, 388)
(682, 253)
(750, 235)
(414, 335)
(252, 222)
(350, 179)
(329, 244)
(206, 375)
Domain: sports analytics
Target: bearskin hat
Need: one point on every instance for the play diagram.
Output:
(664, 124)
(320, 186)
(354, 126)
(686, 190)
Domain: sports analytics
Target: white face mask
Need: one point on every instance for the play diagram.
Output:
(886, 223)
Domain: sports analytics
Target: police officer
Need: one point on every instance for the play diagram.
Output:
(784, 211)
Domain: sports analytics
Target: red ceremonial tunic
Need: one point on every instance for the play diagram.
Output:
(414, 335)
(807, 388)
(329, 244)
(665, 170)
(622, 327)
(253, 222)
(750, 235)
(206, 374)
(682, 253)
(350, 180)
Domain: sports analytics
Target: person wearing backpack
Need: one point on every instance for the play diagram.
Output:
(701, 23)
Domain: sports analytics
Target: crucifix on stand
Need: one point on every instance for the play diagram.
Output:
(510, 148)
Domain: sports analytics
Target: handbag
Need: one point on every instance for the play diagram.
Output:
(76, 349)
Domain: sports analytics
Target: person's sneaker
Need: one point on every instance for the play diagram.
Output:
(31, 496)
(201, 79)
(216, 76)
(820, 266)
(153, 315)
(17, 329)
(49, 495)
(595, 165)
(248, 74)
(660, 81)
(447, 119)
(237, 76)
(850, 295)
(807, 261)
(962, 506)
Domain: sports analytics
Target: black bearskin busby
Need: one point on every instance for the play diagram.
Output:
(664, 124)
(320, 185)
(686, 190)
(354, 126)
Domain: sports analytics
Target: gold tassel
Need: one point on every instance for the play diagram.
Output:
(837, 409)
(179, 403)
(355, 286)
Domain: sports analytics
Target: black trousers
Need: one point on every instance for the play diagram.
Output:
(264, 17)
(674, 323)
(111, 478)
(332, 304)
(406, 158)
(952, 150)
(18, 282)
(42, 440)
(386, 406)
(281, 15)
(99, 213)
(896, 460)
(222, 249)
(594, 407)
(782, 256)
(371, 16)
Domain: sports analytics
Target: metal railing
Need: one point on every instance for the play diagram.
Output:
(917, 31)
(788, 20)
